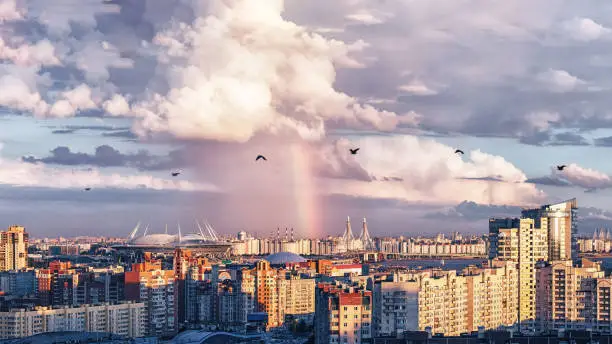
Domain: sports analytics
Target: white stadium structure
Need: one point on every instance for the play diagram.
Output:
(205, 239)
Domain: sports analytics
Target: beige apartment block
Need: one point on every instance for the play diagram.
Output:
(13, 249)
(521, 242)
(571, 297)
(127, 319)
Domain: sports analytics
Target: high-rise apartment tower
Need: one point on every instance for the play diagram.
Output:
(13, 249)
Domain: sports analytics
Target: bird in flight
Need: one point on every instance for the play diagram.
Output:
(174, 174)
(261, 157)
(560, 168)
(354, 151)
(459, 151)
(87, 189)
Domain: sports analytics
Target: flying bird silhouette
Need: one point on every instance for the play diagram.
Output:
(261, 157)
(354, 151)
(459, 151)
(87, 189)
(560, 168)
(174, 174)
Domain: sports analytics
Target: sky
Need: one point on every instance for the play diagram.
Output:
(117, 95)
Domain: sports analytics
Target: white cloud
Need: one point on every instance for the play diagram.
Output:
(431, 173)
(418, 88)
(117, 105)
(584, 177)
(40, 54)
(585, 29)
(77, 99)
(9, 11)
(17, 173)
(364, 17)
(17, 94)
(248, 70)
(559, 81)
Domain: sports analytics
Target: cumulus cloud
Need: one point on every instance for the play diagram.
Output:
(9, 11)
(117, 105)
(71, 51)
(559, 81)
(428, 171)
(22, 174)
(18, 95)
(585, 29)
(575, 175)
(241, 69)
(41, 53)
(77, 99)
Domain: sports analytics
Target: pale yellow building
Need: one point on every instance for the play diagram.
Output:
(13, 249)
(492, 296)
(300, 297)
(519, 241)
(279, 293)
(447, 302)
(560, 222)
(343, 314)
(127, 319)
(443, 303)
(571, 297)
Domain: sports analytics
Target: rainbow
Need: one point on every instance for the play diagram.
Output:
(305, 193)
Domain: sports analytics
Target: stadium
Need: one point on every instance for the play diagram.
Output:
(205, 241)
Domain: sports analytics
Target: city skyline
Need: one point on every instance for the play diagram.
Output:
(116, 98)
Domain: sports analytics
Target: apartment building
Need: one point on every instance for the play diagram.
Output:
(521, 242)
(149, 284)
(570, 297)
(300, 298)
(343, 314)
(443, 303)
(492, 296)
(13, 249)
(447, 302)
(560, 222)
(396, 304)
(278, 292)
(127, 319)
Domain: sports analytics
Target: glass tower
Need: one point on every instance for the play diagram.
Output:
(560, 220)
